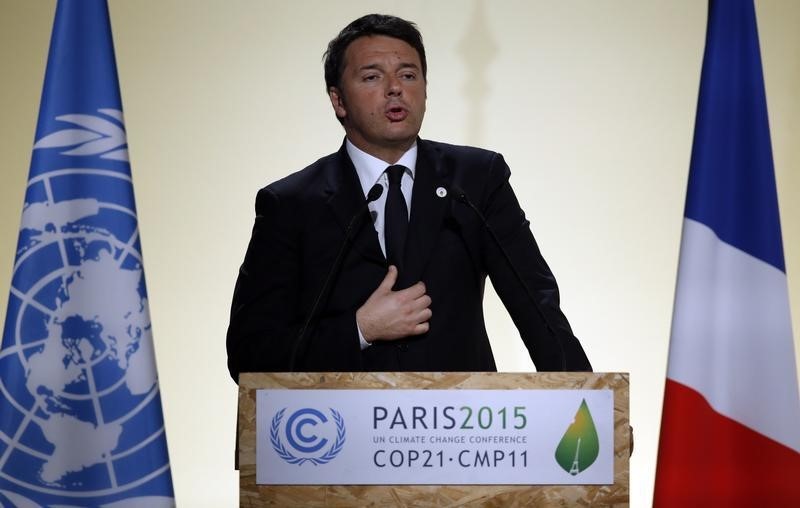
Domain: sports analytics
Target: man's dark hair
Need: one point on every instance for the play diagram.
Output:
(371, 24)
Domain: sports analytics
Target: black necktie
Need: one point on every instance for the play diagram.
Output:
(396, 217)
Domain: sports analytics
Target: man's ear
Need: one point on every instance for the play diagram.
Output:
(337, 101)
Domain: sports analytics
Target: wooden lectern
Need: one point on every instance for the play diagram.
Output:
(253, 495)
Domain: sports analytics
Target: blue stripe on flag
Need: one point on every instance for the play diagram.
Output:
(732, 182)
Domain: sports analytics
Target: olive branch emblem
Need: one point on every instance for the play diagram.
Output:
(286, 455)
(95, 135)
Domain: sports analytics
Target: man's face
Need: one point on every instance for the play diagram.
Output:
(381, 98)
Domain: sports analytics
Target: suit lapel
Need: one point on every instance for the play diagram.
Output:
(345, 198)
(427, 212)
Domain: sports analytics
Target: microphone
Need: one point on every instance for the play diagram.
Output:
(462, 197)
(373, 194)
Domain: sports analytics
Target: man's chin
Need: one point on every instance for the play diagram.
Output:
(401, 141)
(401, 133)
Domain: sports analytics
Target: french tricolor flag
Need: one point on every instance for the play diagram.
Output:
(730, 430)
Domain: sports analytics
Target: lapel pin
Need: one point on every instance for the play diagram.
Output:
(441, 192)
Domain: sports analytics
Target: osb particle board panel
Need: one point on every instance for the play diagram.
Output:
(252, 495)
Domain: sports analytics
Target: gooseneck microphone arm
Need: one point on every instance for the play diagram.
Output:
(356, 221)
(462, 197)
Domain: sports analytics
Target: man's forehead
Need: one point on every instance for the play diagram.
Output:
(379, 47)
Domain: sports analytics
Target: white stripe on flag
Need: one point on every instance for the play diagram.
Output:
(732, 337)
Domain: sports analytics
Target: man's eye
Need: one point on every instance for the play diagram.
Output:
(409, 76)
(370, 77)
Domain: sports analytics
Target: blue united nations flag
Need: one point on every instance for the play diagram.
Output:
(80, 411)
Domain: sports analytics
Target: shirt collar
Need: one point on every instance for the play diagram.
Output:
(370, 168)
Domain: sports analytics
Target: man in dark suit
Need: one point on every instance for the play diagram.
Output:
(327, 286)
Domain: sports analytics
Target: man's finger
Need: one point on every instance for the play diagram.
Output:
(414, 291)
(417, 304)
(421, 328)
(424, 315)
(423, 302)
(389, 279)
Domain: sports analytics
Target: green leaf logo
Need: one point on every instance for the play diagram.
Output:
(580, 446)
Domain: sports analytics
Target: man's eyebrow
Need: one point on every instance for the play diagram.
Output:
(368, 67)
(406, 65)
(380, 67)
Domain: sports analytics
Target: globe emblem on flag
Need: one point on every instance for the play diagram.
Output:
(77, 363)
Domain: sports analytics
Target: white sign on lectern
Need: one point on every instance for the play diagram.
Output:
(434, 437)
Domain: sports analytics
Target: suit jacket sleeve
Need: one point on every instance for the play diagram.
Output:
(270, 301)
(547, 335)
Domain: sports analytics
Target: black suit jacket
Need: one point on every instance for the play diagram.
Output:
(299, 227)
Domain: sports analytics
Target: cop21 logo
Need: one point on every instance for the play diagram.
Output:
(304, 433)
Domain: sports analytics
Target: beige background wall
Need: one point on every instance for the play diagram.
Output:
(592, 104)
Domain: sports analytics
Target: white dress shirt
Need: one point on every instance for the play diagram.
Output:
(371, 170)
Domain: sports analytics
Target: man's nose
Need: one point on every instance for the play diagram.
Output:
(394, 87)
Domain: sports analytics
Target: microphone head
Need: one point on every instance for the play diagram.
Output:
(374, 193)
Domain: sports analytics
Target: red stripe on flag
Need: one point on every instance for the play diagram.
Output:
(707, 459)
